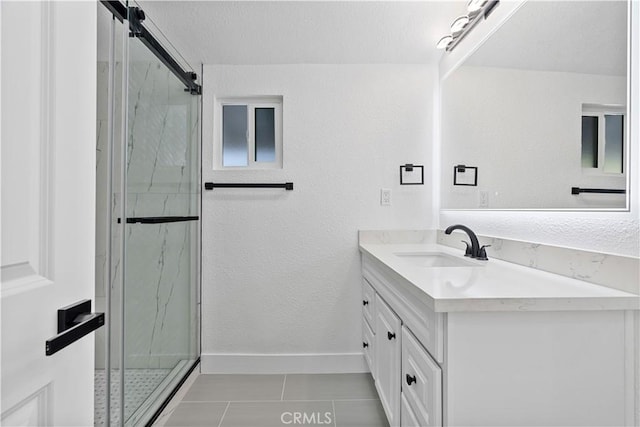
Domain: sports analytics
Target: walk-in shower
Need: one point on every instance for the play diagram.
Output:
(147, 216)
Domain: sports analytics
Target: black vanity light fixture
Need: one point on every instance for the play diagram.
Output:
(476, 10)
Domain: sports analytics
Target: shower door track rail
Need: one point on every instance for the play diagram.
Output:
(158, 219)
(135, 16)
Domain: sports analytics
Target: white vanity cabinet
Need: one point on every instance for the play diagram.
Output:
(480, 366)
(407, 379)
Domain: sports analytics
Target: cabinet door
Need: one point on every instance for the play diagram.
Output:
(387, 360)
(421, 381)
(368, 347)
(407, 417)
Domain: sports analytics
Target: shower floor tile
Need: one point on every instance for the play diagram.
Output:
(139, 384)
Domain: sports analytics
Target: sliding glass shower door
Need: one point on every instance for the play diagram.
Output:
(148, 176)
(161, 230)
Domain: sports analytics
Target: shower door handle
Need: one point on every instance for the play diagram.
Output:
(74, 322)
(158, 219)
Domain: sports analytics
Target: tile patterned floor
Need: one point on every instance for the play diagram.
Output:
(338, 400)
(139, 384)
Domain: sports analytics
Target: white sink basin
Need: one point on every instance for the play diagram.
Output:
(435, 259)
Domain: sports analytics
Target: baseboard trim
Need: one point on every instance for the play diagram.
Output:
(225, 363)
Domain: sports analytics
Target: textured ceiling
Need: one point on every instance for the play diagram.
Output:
(304, 32)
(587, 37)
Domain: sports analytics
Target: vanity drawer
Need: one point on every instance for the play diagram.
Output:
(421, 381)
(368, 302)
(368, 347)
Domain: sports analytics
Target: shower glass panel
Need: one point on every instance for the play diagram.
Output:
(161, 237)
(110, 95)
(147, 227)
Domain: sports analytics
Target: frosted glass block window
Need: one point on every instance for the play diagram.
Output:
(603, 139)
(249, 133)
(613, 143)
(265, 135)
(589, 142)
(234, 135)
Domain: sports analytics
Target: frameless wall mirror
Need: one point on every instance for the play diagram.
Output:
(540, 108)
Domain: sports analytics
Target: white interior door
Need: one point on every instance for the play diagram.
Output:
(48, 112)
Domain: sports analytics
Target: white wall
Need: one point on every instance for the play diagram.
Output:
(522, 129)
(281, 270)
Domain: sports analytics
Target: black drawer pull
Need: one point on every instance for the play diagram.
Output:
(391, 335)
(411, 379)
(365, 345)
(365, 302)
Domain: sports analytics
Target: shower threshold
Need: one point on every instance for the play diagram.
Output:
(145, 390)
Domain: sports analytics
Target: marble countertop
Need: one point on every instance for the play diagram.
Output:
(494, 285)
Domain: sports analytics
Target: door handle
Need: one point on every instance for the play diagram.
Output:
(74, 322)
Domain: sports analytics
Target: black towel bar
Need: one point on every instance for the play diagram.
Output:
(158, 219)
(578, 190)
(211, 185)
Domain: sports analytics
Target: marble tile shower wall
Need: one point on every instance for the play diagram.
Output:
(161, 181)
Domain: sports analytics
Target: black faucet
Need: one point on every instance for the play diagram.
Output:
(475, 250)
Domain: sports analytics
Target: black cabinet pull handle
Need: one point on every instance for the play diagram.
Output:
(391, 335)
(411, 379)
(365, 302)
(365, 345)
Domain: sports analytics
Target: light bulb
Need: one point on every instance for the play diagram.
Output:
(444, 42)
(475, 5)
(459, 23)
